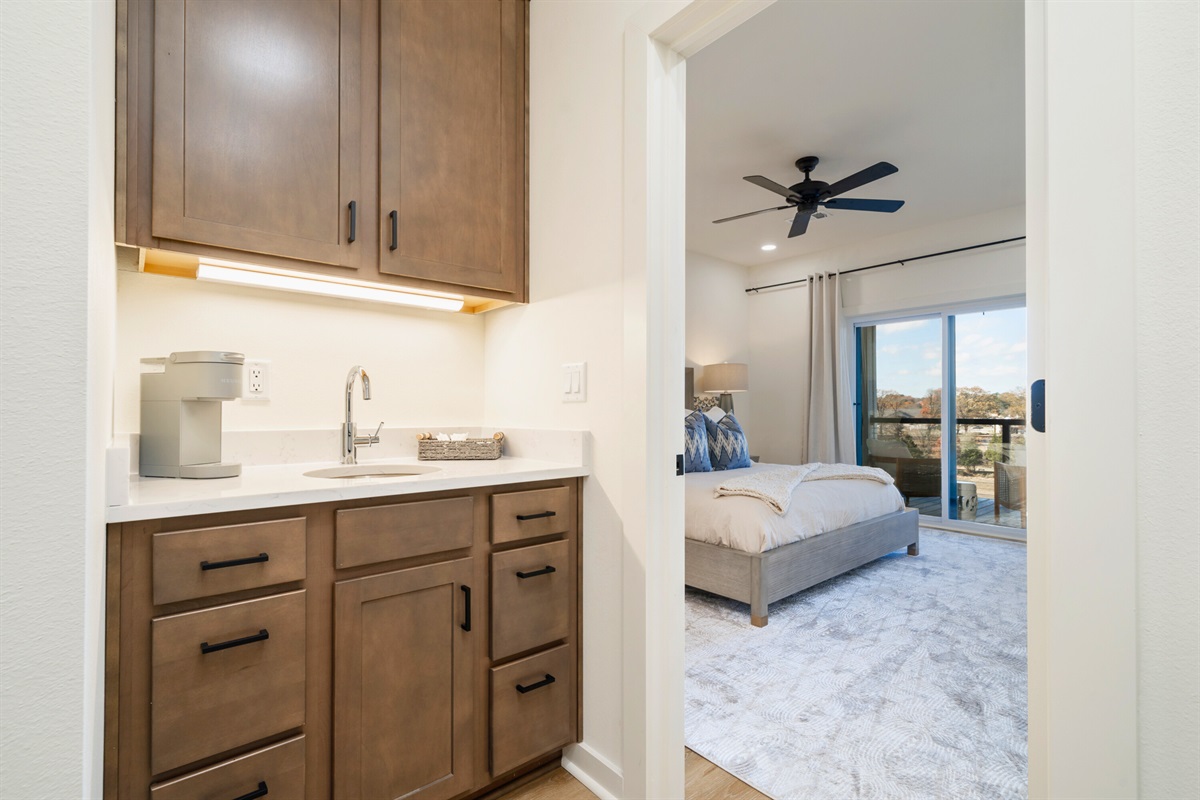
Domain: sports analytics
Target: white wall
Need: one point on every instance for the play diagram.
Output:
(778, 318)
(426, 367)
(56, 286)
(718, 317)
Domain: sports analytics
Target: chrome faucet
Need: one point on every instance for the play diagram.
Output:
(350, 438)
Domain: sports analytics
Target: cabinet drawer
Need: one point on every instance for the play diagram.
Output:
(225, 676)
(386, 533)
(530, 723)
(275, 771)
(209, 561)
(531, 597)
(524, 515)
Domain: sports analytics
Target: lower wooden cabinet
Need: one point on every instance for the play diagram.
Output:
(379, 648)
(402, 699)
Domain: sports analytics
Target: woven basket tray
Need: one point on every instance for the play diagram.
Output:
(468, 450)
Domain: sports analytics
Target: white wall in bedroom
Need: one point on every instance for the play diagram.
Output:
(718, 318)
(778, 318)
(426, 367)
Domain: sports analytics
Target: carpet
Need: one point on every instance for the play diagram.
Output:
(903, 679)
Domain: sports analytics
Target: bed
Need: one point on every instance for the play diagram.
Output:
(737, 547)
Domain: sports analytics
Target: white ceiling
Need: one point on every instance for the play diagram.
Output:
(936, 88)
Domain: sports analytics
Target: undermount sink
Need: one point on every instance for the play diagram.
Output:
(370, 471)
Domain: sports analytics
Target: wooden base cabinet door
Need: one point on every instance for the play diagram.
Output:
(404, 653)
(452, 142)
(258, 131)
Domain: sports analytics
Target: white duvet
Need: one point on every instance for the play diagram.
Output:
(749, 524)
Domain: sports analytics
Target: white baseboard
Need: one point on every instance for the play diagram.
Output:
(597, 773)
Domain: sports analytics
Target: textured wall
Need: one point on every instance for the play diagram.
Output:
(45, 105)
(1166, 218)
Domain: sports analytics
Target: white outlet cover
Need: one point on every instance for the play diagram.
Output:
(256, 380)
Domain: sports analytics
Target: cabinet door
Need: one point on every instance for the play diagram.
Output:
(403, 702)
(258, 127)
(452, 141)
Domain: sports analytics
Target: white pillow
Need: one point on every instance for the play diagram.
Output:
(716, 414)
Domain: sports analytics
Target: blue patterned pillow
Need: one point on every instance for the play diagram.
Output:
(695, 444)
(727, 448)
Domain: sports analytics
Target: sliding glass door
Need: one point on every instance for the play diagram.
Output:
(941, 407)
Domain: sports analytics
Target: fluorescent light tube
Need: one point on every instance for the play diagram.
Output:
(304, 283)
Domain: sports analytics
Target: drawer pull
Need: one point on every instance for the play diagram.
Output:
(549, 679)
(261, 791)
(466, 623)
(262, 635)
(546, 570)
(523, 517)
(235, 562)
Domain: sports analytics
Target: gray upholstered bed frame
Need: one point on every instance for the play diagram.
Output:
(762, 578)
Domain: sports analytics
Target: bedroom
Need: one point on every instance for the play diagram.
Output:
(957, 138)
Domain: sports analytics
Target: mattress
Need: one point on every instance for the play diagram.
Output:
(750, 525)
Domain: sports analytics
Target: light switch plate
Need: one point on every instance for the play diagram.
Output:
(574, 382)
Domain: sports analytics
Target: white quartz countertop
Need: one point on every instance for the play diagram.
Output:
(286, 485)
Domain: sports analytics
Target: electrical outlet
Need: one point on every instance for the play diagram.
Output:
(257, 380)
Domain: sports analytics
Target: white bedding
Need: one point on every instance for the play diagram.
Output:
(750, 525)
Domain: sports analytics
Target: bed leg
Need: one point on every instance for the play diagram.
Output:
(758, 594)
(758, 621)
(914, 549)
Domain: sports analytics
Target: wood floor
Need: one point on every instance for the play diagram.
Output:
(703, 780)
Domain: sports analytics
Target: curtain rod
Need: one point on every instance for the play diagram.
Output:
(890, 263)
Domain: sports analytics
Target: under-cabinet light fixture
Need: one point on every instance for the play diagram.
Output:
(768, 247)
(288, 281)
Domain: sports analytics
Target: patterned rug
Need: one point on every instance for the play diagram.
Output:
(904, 678)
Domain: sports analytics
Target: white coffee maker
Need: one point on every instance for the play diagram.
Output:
(181, 414)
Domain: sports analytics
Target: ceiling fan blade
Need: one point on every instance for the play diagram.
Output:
(751, 214)
(771, 186)
(859, 204)
(800, 223)
(861, 178)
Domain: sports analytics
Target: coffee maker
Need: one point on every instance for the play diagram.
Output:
(181, 414)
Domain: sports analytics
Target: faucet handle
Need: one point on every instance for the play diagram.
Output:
(374, 437)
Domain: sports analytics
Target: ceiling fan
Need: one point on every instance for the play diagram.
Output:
(808, 196)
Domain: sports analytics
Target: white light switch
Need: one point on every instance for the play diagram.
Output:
(574, 383)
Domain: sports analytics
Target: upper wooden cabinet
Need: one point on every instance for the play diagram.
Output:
(380, 139)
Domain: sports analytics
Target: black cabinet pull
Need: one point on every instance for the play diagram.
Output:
(234, 562)
(395, 231)
(544, 571)
(523, 517)
(466, 624)
(261, 791)
(549, 679)
(353, 222)
(206, 648)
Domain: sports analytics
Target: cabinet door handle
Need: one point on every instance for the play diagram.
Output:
(261, 791)
(234, 562)
(466, 623)
(206, 648)
(394, 217)
(523, 517)
(546, 570)
(353, 222)
(549, 679)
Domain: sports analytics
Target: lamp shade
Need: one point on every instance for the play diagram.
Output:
(726, 378)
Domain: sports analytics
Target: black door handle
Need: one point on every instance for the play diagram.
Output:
(262, 635)
(353, 222)
(261, 791)
(235, 562)
(523, 517)
(544, 571)
(466, 624)
(549, 679)
(395, 231)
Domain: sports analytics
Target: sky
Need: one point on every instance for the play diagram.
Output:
(991, 352)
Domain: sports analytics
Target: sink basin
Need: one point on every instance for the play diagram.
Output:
(370, 471)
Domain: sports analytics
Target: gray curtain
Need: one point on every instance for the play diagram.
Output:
(829, 426)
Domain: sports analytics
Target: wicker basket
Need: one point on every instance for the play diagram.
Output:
(467, 450)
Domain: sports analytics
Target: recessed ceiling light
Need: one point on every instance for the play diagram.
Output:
(768, 247)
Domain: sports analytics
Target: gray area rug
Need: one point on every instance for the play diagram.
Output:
(904, 678)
